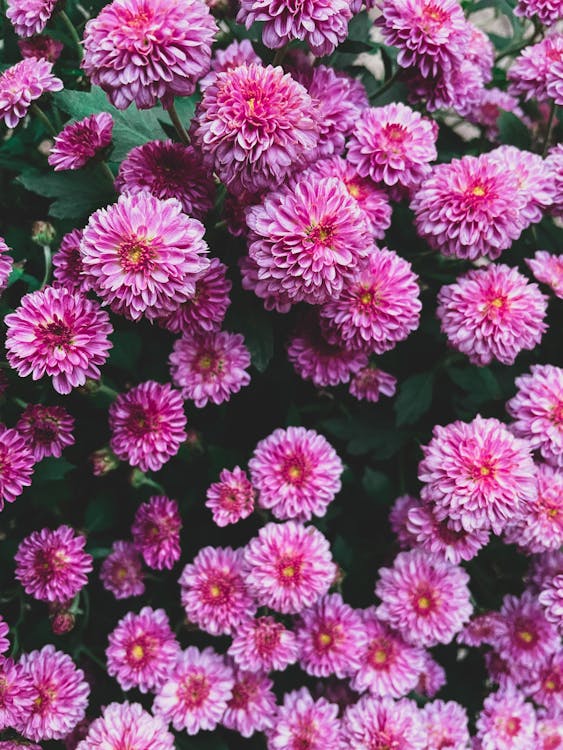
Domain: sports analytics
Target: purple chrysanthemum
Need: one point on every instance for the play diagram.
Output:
(16, 465)
(547, 11)
(68, 270)
(446, 726)
(231, 499)
(303, 722)
(253, 705)
(6, 264)
(235, 54)
(81, 141)
(121, 572)
(379, 722)
(446, 538)
(30, 17)
(551, 599)
(127, 725)
(16, 694)
(4, 631)
(21, 84)
(489, 107)
(263, 645)
(156, 532)
(369, 383)
(548, 268)
(48, 430)
(529, 73)
(43, 46)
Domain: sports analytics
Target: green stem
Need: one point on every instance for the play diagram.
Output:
(550, 127)
(47, 257)
(387, 85)
(38, 112)
(182, 135)
(86, 651)
(102, 388)
(73, 33)
(108, 173)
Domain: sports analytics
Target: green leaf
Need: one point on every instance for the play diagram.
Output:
(376, 484)
(479, 381)
(76, 194)
(50, 469)
(355, 46)
(101, 513)
(126, 350)
(258, 333)
(415, 398)
(513, 131)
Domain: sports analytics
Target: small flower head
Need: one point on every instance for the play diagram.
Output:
(548, 268)
(369, 383)
(42, 46)
(124, 725)
(446, 539)
(263, 645)
(303, 721)
(446, 725)
(376, 722)
(529, 74)
(6, 264)
(30, 17)
(68, 270)
(252, 706)
(22, 84)
(544, 684)
(16, 465)
(121, 572)
(48, 430)
(156, 532)
(551, 599)
(231, 499)
(80, 142)
(506, 722)
(16, 694)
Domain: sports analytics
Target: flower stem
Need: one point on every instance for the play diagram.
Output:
(38, 112)
(73, 33)
(387, 85)
(182, 135)
(550, 127)
(108, 173)
(47, 257)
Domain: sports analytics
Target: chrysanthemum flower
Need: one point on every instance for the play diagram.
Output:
(554, 162)
(156, 532)
(432, 677)
(305, 722)
(237, 53)
(288, 566)
(376, 722)
(263, 645)
(143, 256)
(251, 281)
(58, 333)
(231, 498)
(322, 24)
(210, 367)
(22, 84)
(480, 51)
(548, 268)
(121, 571)
(29, 17)
(537, 409)
(529, 73)
(142, 650)
(379, 307)
(81, 141)
(253, 125)
(398, 516)
(489, 107)
(506, 722)
(197, 691)
(127, 725)
(16, 465)
(492, 313)
(145, 50)
(296, 473)
(214, 591)
(147, 425)
(445, 539)
(393, 144)
(47, 430)
(60, 695)
(549, 734)
(369, 383)
(478, 474)
(168, 170)
(554, 77)
(4, 630)
(543, 568)
(469, 208)
(68, 270)
(253, 705)
(16, 694)
(445, 725)
(482, 629)
(551, 599)
(544, 684)
(6, 264)
(425, 598)
(52, 565)
(547, 11)
(388, 665)
(42, 45)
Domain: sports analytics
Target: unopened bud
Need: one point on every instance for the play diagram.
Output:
(62, 622)
(103, 461)
(42, 232)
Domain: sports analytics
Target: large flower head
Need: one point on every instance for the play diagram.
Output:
(121, 572)
(16, 465)
(545, 684)
(308, 240)
(263, 645)
(48, 430)
(424, 597)
(145, 50)
(30, 17)
(530, 72)
(383, 722)
(296, 473)
(231, 498)
(79, 142)
(548, 268)
(253, 125)
(446, 725)
(506, 722)
(156, 532)
(16, 694)
(478, 474)
(58, 333)
(52, 565)
(147, 425)
(253, 705)
(492, 313)
(303, 722)
(127, 725)
(197, 691)
(288, 566)
(22, 84)
(143, 256)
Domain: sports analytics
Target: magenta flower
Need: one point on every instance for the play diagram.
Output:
(288, 566)
(232, 498)
(548, 269)
(145, 50)
(210, 367)
(478, 474)
(142, 650)
(156, 532)
(398, 517)
(233, 56)
(445, 725)
(322, 24)
(4, 631)
(425, 598)
(251, 281)
(445, 539)
(549, 734)
(432, 677)
(147, 425)
(482, 629)
(121, 572)
(370, 383)
(16, 465)
(68, 270)
(263, 645)
(168, 170)
(79, 142)
(197, 691)
(16, 694)
(47, 430)
(506, 722)
(547, 11)
(52, 565)
(30, 17)
(376, 722)
(253, 125)
(304, 722)
(22, 84)
(492, 313)
(58, 333)
(545, 683)
(127, 724)
(41, 46)
(529, 73)
(551, 599)
(6, 264)
(253, 705)
(489, 107)
(554, 162)
(143, 256)
(296, 473)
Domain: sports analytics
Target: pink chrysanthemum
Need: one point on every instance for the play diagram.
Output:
(398, 516)
(379, 307)
(480, 51)
(370, 383)
(554, 77)
(21, 84)
(214, 591)
(489, 107)
(121, 571)
(30, 17)
(492, 313)
(52, 565)
(393, 144)
(142, 650)
(529, 73)
(231, 499)
(41, 46)
(81, 141)
(432, 678)
(58, 333)
(309, 240)
(16, 465)
(47, 430)
(549, 734)
(197, 691)
(288, 566)
(16, 694)
(478, 474)
(470, 208)
(425, 598)
(4, 630)
(445, 725)
(156, 532)
(444, 539)
(68, 270)
(237, 53)
(537, 409)
(210, 367)
(543, 568)
(253, 705)
(296, 473)
(253, 125)
(458, 88)
(506, 722)
(554, 162)
(263, 645)
(482, 629)
(305, 722)
(147, 425)
(551, 599)
(544, 684)
(388, 664)
(168, 170)
(251, 281)
(143, 256)
(379, 722)
(60, 695)
(547, 11)
(322, 24)
(145, 50)
(128, 725)
(6, 264)
(548, 268)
